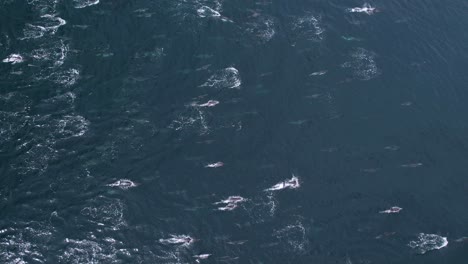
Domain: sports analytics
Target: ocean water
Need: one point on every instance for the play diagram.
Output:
(240, 131)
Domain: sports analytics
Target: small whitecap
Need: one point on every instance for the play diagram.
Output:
(428, 242)
(411, 165)
(182, 240)
(201, 257)
(13, 59)
(366, 8)
(392, 210)
(292, 183)
(123, 184)
(215, 165)
(230, 203)
(210, 103)
(85, 3)
(206, 11)
(318, 73)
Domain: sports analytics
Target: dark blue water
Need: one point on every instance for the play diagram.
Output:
(241, 131)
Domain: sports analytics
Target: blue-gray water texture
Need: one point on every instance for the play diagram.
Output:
(234, 131)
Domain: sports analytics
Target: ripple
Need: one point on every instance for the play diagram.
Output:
(366, 8)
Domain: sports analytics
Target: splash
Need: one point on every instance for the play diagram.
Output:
(123, 184)
(392, 210)
(318, 73)
(292, 183)
(13, 59)
(215, 165)
(230, 203)
(366, 8)
(85, 3)
(210, 103)
(181, 240)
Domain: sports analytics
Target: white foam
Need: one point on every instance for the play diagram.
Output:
(49, 25)
(67, 77)
(123, 184)
(428, 242)
(206, 11)
(25, 244)
(392, 210)
(210, 103)
(226, 78)
(85, 3)
(363, 64)
(262, 27)
(215, 165)
(13, 59)
(201, 257)
(294, 236)
(55, 52)
(182, 240)
(105, 212)
(366, 8)
(73, 126)
(309, 27)
(230, 203)
(292, 183)
(318, 73)
(88, 251)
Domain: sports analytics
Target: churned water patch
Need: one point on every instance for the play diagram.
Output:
(428, 242)
(293, 237)
(226, 78)
(362, 64)
(308, 27)
(48, 25)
